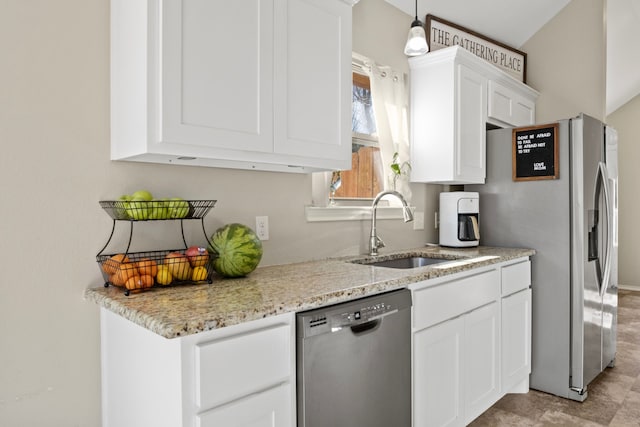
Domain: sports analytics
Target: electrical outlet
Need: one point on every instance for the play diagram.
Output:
(418, 220)
(262, 227)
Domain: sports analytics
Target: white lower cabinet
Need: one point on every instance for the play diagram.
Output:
(456, 373)
(241, 375)
(516, 326)
(471, 342)
(271, 408)
(437, 374)
(481, 359)
(516, 348)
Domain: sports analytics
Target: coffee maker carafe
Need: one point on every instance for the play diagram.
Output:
(459, 225)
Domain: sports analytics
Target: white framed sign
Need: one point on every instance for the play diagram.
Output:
(441, 34)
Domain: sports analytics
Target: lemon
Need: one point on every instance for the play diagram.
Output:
(164, 276)
(199, 273)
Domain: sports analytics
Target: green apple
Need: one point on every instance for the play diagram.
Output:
(121, 206)
(138, 209)
(142, 195)
(159, 209)
(178, 208)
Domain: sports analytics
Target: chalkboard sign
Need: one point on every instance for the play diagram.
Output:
(535, 153)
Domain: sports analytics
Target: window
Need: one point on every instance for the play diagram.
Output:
(359, 186)
(365, 179)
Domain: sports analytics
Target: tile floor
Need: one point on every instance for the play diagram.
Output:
(614, 396)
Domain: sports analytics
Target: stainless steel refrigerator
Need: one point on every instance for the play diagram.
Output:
(571, 222)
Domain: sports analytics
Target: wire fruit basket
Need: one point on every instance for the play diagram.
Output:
(153, 210)
(137, 271)
(142, 270)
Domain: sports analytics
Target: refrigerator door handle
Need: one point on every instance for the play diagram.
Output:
(594, 233)
(606, 276)
(602, 270)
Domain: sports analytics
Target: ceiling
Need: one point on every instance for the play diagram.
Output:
(623, 30)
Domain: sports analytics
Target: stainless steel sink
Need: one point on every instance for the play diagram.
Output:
(406, 262)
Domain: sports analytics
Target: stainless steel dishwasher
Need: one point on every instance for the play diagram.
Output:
(354, 363)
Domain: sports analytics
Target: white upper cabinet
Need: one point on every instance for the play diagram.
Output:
(216, 75)
(510, 107)
(313, 88)
(454, 94)
(250, 84)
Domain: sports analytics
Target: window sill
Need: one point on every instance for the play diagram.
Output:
(351, 213)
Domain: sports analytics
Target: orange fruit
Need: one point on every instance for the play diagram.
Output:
(147, 266)
(134, 282)
(111, 265)
(125, 271)
(147, 280)
(115, 280)
(139, 282)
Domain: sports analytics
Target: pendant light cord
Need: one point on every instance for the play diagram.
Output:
(416, 22)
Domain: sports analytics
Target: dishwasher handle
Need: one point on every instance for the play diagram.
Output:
(366, 327)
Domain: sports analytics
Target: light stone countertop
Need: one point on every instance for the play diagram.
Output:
(189, 309)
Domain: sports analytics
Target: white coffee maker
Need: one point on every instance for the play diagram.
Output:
(459, 215)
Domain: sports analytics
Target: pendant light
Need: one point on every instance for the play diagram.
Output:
(416, 41)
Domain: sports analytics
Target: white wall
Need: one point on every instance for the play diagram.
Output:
(55, 167)
(625, 121)
(380, 32)
(566, 63)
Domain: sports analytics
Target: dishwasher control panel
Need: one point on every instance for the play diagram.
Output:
(362, 314)
(345, 315)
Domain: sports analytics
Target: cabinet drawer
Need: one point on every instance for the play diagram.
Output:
(450, 299)
(271, 408)
(239, 365)
(516, 277)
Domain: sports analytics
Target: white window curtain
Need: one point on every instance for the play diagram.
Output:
(390, 105)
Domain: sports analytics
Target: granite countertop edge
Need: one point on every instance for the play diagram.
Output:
(269, 291)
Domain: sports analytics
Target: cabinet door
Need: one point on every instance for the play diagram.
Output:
(481, 360)
(471, 113)
(437, 376)
(516, 339)
(313, 80)
(271, 408)
(216, 74)
(508, 107)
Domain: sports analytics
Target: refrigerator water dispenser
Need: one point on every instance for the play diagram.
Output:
(459, 225)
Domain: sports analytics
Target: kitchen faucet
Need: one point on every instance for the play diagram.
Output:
(376, 242)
